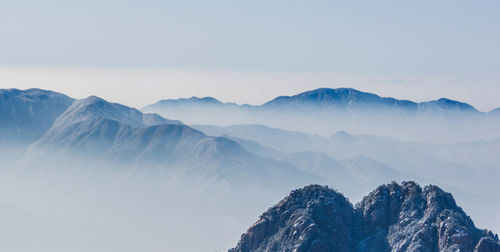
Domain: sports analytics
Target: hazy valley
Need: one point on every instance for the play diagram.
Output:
(89, 174)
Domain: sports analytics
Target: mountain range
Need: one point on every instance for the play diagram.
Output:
(324, 111)
(93, 137)
(394, 217)
(340, 98)
(353, 100)
(92, 132)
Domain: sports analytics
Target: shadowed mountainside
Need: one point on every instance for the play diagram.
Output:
(95, 133)
(394, 217)
(25, 115)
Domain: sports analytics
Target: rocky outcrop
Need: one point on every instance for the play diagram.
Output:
(394, 217)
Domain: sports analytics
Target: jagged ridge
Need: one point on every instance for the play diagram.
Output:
(394, 217)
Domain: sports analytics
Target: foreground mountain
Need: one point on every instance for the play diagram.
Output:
(26, 115)
(394, 217)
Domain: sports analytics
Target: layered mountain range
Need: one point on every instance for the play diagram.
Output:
(432, 161)
(394, 217)
(44, 132)
(325, 110)
(92, 134)
(60, 129)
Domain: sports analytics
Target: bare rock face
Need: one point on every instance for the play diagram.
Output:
(394, 217)
(314, 218)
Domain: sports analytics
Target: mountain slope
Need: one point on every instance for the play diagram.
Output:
(495, 111)
(283, 140)
(326, 110)
(445, 105)
(205, 101)
(348, 99)
(25, 115)
(341, 98)
(352, 99)
(356, 175)
(392, 218)
(95, 133)
(341, 145)
(94, 106)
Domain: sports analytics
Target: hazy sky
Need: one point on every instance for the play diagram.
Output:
(248, 51)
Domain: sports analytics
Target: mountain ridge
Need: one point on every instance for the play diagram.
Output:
(348, 97)
(25, 115)
(393, 217)
(94, 131)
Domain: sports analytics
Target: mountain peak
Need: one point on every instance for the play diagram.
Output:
(341, 99)
(206, 99)
(312, 194)
(341, 90)
(94, 99)
(193, 100)
(299, 223)
(95, 107)
(447, 105)
(28, 114)
(495, 111)
(317, 95)
(394, 217)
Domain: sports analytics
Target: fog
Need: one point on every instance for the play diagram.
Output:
(84, 211)
(430, 126)
(106, 177)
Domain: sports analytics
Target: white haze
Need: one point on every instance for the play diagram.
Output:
(55, 198)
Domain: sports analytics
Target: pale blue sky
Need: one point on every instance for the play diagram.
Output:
(452, 40)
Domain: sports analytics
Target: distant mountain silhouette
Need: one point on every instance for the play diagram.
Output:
(188, 102)
(495, 111)
(341, 99)
(394, 217)
(326, 110)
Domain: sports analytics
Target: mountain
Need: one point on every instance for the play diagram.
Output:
(341, 98)
(394, 217)
(326, 110)
(445, 105)
(356, 175)
(495, 111)
(95, 133)
(207, 109)
(193, 101)
(284, 140)
(340, 145)
(345, 99)
(93, 106)
(352, 99)
(26, 115)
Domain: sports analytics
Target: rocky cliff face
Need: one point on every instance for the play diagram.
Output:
(394, 217)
